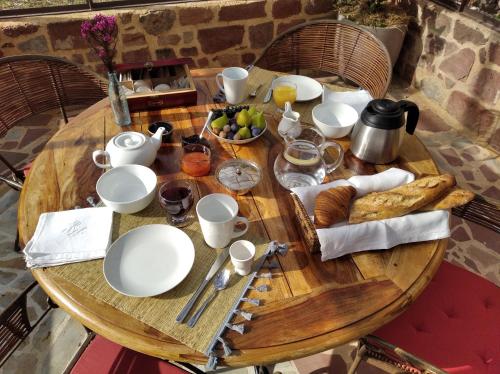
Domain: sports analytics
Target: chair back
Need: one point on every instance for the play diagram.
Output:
(335, 47)
(32, 84)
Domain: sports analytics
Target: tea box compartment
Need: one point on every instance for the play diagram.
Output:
(158, 84)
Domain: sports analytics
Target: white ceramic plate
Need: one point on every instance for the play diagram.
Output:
(148, 260)
(243, 141)
(307, 88)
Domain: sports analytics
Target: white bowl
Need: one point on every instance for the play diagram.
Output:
(128, 188)
(335, 120)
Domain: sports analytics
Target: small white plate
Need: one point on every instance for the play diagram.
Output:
(148, 260)
(307, 88)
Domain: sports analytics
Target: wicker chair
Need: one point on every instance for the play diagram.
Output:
(335, 47)
(33, 84)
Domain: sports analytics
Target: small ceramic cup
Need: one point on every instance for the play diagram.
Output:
(242, 253)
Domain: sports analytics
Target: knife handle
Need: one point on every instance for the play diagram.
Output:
(267, 98)
(184, 312)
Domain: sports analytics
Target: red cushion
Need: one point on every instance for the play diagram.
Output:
(105, 357)
(454, 324)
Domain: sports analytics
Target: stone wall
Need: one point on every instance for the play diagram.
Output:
(212, 33)
(455, 61)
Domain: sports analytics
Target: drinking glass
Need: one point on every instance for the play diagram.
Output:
(176, 198)
(283, 92)
(196, 160)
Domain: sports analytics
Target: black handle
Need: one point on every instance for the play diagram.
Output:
(413, 113)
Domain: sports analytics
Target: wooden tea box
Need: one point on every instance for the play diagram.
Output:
(157, 84)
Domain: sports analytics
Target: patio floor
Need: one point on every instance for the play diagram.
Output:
(56, 339)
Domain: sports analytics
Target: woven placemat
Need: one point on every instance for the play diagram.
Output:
(261, 76)
(160, 311)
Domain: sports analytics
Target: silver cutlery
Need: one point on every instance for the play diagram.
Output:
(215, 267)
(220, 282)
(253, 93)
(269, 93)
(209, 117)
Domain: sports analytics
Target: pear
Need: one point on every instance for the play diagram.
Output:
(244, 119)
(244, 133)
(259, 121)
(252, 111)
(220, 122)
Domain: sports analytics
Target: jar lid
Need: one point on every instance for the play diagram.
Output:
(129, 140)
(238, 175)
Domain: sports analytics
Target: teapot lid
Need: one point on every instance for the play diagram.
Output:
(129, 140)
(383, 114)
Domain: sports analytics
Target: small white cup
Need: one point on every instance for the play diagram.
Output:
(234, 84)
(242, 253)
(218, 217)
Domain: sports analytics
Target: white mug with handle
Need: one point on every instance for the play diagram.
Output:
(218, 216)
(234, 81)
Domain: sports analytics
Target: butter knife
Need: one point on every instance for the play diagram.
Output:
(269, 93)
(214, 269)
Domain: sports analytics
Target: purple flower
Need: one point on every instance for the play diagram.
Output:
(100, 32)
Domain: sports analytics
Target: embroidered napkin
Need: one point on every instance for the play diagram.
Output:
(69, 236)
(344, 238)
(357, 99)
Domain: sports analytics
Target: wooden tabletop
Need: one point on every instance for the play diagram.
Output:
(312, 305)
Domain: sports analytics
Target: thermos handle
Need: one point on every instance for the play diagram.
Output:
(413, 113)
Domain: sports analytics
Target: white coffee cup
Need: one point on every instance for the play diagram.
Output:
(218, 217)
(234, 84)
(242, 253)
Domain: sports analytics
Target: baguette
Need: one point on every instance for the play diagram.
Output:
(400, 200)
(450, 199)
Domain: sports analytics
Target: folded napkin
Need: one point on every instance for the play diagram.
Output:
(343, 238)
(69, 236)
(357, 99)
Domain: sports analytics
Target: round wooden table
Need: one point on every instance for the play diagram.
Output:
(312, 306)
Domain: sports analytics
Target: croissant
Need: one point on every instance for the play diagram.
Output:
(332, 206)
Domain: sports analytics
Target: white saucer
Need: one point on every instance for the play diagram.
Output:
(148, 260)
(307, 88)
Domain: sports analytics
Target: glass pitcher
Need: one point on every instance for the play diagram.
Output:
(302, 162)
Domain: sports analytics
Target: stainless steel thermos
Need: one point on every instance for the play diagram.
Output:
(379, 133)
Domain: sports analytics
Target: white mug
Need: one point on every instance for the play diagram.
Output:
(242, 253)
(234, 84)
(217, 214)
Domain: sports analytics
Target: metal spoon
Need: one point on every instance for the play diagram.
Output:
(254, 92)
(220, 282)
(209, 117)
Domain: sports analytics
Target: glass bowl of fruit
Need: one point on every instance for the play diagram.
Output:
(237, 124)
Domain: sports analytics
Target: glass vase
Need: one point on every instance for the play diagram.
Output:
(118, 101)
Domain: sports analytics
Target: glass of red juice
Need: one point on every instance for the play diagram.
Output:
(176, 197)
(196, 160)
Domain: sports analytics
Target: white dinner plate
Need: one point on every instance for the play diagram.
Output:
(148, 260)
(307, 88)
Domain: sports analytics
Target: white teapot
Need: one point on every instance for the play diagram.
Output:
(130, 148)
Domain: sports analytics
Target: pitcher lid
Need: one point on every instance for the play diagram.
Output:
(383, 114)
(129, 140)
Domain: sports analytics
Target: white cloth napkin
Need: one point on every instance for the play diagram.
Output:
(69, 236)
(357, 99)
(343, 238)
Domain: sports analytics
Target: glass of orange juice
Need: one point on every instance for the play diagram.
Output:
(283, 92)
